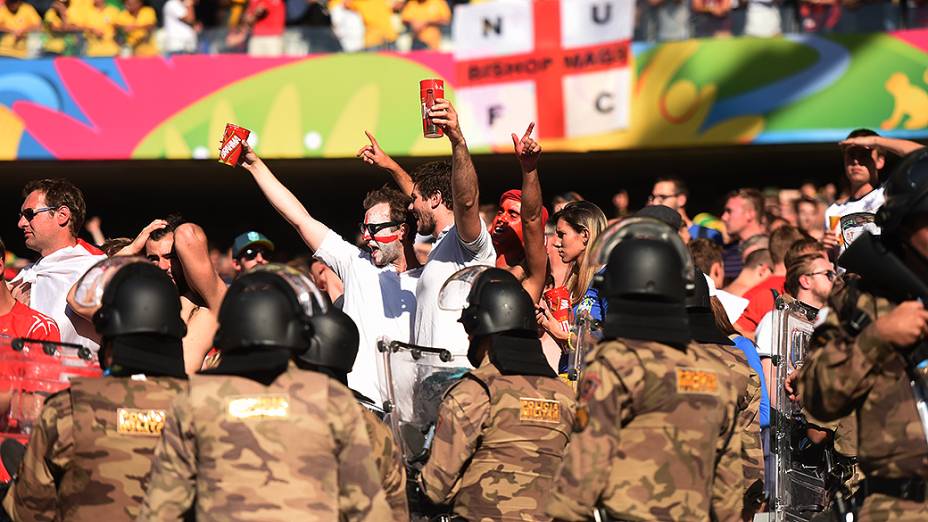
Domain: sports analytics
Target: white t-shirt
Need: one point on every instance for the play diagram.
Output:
(764, 335)
(179, 36)
(852, 217)
(51, 278)
(440, 328)
(381, 301)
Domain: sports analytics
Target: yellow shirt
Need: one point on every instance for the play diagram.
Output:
(25, 19)
(141, 41)
(378, 21)
(104, 21)
(431, 12)
(57, 41)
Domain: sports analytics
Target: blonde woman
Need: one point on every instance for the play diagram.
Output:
(577, 226)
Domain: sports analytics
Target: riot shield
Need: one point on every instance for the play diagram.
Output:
(30, 371)
(800, 483)
(415, 380)
(587, 331)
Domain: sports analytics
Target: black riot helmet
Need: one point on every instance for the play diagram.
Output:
(906, 192)
(491, 299)
(266, 319)
(494, 305)
(334, 344)
(137, 316)
(702, 321)
(648, 274)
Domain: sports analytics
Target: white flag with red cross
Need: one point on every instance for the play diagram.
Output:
(561, 63)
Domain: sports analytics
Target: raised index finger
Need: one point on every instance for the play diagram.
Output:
(372, 138)
(528, 131)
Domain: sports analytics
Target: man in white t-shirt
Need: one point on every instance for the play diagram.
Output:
(864, 157)
(379, 285)
(180, 26)
(50, 218)
(445, 202)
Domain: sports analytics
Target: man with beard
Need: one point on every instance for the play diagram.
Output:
(379, 284)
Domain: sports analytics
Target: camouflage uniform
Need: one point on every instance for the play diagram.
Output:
(235, 449)
(91, 450)
(650, 421)
(866, 376)
(498, 443)
(727, 497)
(389, 461)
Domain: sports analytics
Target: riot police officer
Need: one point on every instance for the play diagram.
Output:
(653, 407)
(91, 449)
(333, 350)
(256, 434)
(868, 355)
(729, 492)
(503, 427)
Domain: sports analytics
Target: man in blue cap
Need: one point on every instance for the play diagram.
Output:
(249, 250)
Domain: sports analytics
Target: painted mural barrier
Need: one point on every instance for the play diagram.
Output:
(795, 89)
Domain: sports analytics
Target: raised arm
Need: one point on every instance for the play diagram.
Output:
(892, 145)
(137, 246)
(192, 250)
(284, 202)
(464, 189)
(373, 155)
(533, 228)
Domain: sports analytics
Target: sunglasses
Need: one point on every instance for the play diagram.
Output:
(371, 229)
(30, 213)
(250, 253)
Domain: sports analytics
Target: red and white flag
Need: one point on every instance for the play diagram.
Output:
(561, 63)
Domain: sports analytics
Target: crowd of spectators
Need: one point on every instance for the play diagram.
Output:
(295, 27)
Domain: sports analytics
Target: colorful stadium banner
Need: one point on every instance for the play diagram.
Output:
(699, 92)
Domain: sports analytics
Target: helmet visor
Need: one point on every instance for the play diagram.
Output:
(642, 228)
(455, 292)
(309, 297)
(91, 285)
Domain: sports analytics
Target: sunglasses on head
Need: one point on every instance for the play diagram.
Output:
(371, 229)
(30, 213)
(252, 252)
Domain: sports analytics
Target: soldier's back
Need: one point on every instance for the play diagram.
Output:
(679, 404)
(521, 445)
(114, 428)
(278, 451)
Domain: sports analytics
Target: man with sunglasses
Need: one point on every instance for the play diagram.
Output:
(51, 217)
(250, 250)
(379, 282)
(864, 157)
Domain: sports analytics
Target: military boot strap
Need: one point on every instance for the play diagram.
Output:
(913, 489)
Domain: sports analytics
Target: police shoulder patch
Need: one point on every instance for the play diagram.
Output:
(539, 410)
(258, 406)
(690, 380)
(140, 422)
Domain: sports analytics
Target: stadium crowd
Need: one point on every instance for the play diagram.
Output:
(509, 290)
(33, 28)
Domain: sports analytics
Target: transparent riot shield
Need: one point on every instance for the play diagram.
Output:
(416, 378)
(800, 485)
(30, 371)
(587, 336)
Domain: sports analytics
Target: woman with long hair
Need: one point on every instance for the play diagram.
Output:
(577, 226)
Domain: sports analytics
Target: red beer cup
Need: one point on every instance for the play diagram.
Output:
(429, 91)
(231, 148)
(558, 301)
